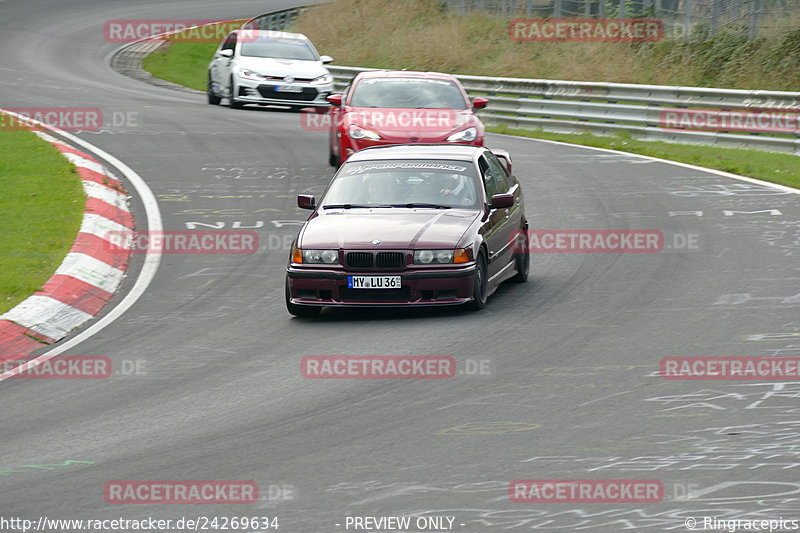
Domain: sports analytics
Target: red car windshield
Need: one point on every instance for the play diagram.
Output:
(441, 184)
(418, 93)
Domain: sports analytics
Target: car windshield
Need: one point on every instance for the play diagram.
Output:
(408, 93)
(417, 183)
(278, 49)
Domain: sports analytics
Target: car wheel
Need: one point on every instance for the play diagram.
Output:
(333, 159)
(299, 310)
(232, 102)
(522, 258)
(213, 99)
(481, 288)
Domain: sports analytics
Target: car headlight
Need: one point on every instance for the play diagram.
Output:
(315, 257)
(433, 257)
(360, 133)
(250, 75)
(467, 135)
(325, 79)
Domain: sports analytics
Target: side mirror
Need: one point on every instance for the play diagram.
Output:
(479, 103)
(504, 157)
(502, 201)
(306, 201)
(326, 59)
(226, 53)
(335, 99)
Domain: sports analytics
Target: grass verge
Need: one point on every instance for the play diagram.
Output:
(424, 35)
(768, 166)
(182, 63)
(41, 207)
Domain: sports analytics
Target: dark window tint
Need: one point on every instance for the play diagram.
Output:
(230, 42)
(501, 179)
(489, 182)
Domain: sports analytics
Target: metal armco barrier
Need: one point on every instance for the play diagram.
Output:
(608, 108)
(277, 20)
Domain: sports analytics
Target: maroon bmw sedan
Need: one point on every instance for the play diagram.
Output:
(410, 225)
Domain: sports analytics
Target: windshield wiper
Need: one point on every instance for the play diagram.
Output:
(345, 206)
(417, 204)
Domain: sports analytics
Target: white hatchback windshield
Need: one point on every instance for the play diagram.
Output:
(279, 49)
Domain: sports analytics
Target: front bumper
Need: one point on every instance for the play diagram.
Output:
(327, 287)
(266, 92)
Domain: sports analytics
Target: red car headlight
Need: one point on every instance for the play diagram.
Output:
(356, 132)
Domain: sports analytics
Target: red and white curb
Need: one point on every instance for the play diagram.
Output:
(90, 273)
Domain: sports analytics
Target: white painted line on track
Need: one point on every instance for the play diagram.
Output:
(151, 260)
(659, 160)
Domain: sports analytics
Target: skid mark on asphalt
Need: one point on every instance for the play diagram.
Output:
(29, 468)
(489, 428)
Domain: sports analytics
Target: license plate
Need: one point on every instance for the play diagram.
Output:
(288, 89)
(373, 282)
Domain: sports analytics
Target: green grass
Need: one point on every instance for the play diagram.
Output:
(768, 166)
(41, 207)
(184, 60)
(399, 36)
(182, 63)
(424, 35)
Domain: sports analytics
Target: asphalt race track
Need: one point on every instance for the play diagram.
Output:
(570, 387)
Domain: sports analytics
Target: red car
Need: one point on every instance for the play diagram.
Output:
(410, 225)
(396, 107)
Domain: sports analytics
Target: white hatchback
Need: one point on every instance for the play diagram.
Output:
(269, 67)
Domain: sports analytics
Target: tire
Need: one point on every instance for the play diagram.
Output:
(213, 99)
(299, 310)
(333, 159)
(232, 102)
(522, 259)
(481, 288)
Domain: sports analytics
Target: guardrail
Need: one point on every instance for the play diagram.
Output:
(610, 108)
(641, 110)
(277, 20)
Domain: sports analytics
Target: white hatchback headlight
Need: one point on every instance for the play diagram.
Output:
(251, 75)
(325, 79)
